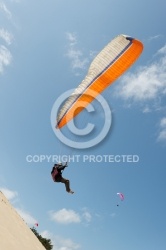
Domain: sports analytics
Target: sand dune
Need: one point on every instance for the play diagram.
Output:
(14, 232)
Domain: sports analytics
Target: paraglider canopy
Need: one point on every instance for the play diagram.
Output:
(113, 60)
(121, 197)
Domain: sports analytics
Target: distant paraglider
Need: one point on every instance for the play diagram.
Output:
(107, 66)
(121, 197)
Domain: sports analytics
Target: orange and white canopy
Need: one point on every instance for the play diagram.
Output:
(107, 66)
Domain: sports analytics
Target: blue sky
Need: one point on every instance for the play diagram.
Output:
(46, 48)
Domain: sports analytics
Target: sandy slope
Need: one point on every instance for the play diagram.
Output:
(14, 232)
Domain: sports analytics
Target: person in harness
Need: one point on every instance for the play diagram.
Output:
(57, 176)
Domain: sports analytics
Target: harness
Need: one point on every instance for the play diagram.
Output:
(54, 173)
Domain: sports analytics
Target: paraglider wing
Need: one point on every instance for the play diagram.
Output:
(121, 196)
(107, 66)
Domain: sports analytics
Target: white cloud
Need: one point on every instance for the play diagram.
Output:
(147, 109)
(93, 54)
(9, 194)
(26, 216)
(6, 36)
(5, 10)
(162, 133)
(60, 243)
(147, 87)
(147, 83)
(65, 216)
(76, 61)
(86, 215)
(154, 37)
(74, 54)
(71, 38)
(162, 50)
(5, 57)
